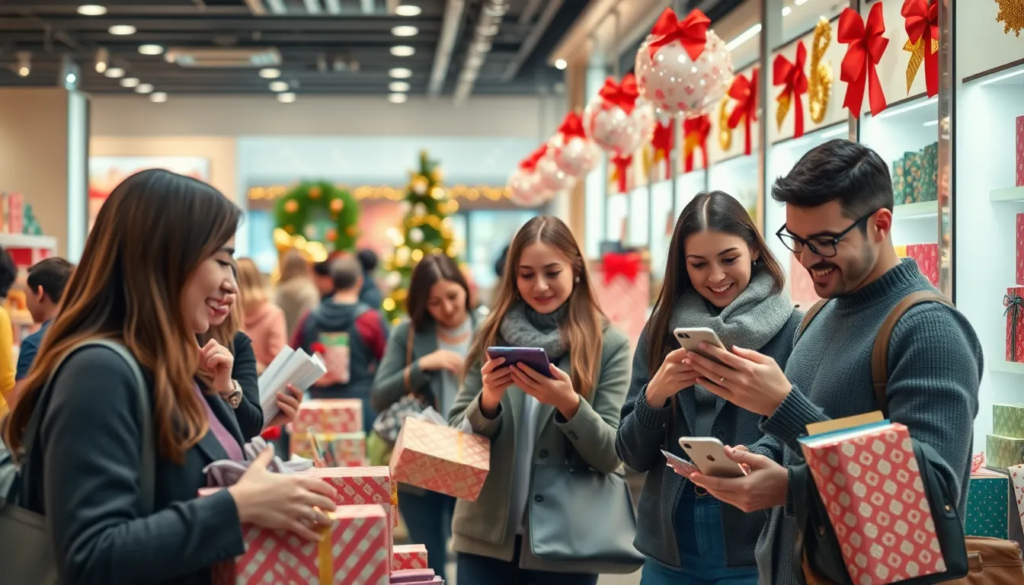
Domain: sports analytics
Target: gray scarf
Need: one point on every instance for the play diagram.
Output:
(524, 327)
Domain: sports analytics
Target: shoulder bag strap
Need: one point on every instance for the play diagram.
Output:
(407, 373)
(880, 351)
(810, 315)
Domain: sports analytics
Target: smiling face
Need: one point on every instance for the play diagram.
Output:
(447, 303)
(719, 265)
(544, 277)
(856, 254)
(210, 291)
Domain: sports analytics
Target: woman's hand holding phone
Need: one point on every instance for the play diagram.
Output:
(554, 391)
(496, 379)
(671, 377)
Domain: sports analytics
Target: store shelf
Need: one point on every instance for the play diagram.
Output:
(1007, 195)
(27, 241)
(1007, 367)
(916, 210)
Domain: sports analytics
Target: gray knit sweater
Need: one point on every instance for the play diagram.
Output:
(935, 367)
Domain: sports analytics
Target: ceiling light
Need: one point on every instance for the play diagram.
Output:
(130, 82)
(151, 49)
(121, 30)
(92, 10)
(398, 98)
(158, 97)
(71, 78)
(398, 86)
(786, 11)
(405, 31)
(144, 88)
(799, 2)
(278, 86)
(403, 51)
(561, 64)
(400, 73)
(270, 73)
(286, 98)
(744, 37)
(408, 10)
(114, 72)
(102, 60)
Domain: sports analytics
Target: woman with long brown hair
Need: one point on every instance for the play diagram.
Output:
(545, 300)
(151, 279)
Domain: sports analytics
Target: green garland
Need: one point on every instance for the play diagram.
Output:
(294, 211)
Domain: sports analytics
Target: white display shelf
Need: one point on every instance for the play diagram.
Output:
(916, 210)
(1007, 195)
(27, 241)
(1007, 367)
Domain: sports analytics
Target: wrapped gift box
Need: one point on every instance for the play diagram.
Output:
(441, 459)
(1019, 245)
(1008, 420)
(415, 577)
(409, 556)
(1020, 151)
(927, 258)
(988, 505)
(872, 488)
(15, 213)
(340, 449)
(1017, 478)
(1003, 452)
(622, 285)
(898, 183)
(331, 416)
(354, 552)
(929, 186)
(913, 170)
(1014, 302)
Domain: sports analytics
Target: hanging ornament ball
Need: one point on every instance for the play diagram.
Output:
(525, 189)
(352, 231)
(332, 235)
(552, 178)
(671, 74)
(614, 130)
(337, 205)
(576, 156)
(419, 210)
(416, 235)
(291, 206)
(315, 192)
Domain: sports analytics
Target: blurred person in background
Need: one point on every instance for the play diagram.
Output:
(322, 278)
(8, 274)
(263, 321)
(46, 281)
(296, 293)
(370, 295)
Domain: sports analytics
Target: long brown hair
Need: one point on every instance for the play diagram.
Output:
(151, 235)
(582, 331)
(717, 211)
(432, 268)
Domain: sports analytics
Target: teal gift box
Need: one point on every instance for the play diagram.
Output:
(929, 185)
(898, 188)
(988, 505)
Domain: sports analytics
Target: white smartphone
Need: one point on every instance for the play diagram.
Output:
(690, 338)
(708, 454)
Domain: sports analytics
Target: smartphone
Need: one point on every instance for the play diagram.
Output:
(534, 357)
(690, 338)
(678, 464)
(708, 454)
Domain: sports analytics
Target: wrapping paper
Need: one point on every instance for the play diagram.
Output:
(341, 449)
(408, 556)
(988, 505)
(441, 459)
(913, 177)
(331, 416)
(1017, 478)
(1020, 151)
(927, 258)
(1003, 452)
(929, 186)
(1008, 420)
(1019, 246)
(899, 195)
(1014, 314)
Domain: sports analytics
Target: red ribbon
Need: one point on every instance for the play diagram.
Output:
(663, 142)
(691, 32)
(626, 264)
(620, 94)
(701, 126)
(794, 81)
(744, 91)
(530, 163)
(622, 164)
(866, 46)
(572, 127)
(921, 20)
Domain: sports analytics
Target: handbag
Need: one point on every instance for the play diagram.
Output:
(389, 422)
(969, 561)
(26, 553)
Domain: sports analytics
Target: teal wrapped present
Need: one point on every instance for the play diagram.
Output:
(913, 179)
(898, 194)
(929, 185)
(988, 505)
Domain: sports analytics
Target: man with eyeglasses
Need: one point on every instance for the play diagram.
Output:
(839, 222)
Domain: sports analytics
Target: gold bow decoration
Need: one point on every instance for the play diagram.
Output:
(724, 131)
(820, 83)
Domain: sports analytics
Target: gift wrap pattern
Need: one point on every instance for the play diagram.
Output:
(874, 494)
(409, 556)
(1019, 245)
(988, 505)
(1020, 151)
(354, 552)
(441, 459)
(623, 301)
(1014, 326)
(348, 449)
(1003, 452)
(927, 258)
(1008, 420)
(331, 416)
(1017, 477)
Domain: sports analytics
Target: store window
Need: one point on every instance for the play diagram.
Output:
(487, 233)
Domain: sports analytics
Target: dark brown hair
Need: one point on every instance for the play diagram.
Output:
(715, 211)
(431, 269)
(150, 237)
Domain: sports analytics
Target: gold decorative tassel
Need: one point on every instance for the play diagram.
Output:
(820, 82)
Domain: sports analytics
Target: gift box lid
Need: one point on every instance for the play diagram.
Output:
(413, 576)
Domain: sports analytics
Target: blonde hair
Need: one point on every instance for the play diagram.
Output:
(250, 285)
(293, 265)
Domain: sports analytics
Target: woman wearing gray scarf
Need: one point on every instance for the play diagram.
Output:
(721, 276)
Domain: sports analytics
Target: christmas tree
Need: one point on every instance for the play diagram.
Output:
(426, 229)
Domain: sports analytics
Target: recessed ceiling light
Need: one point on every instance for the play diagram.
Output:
(144, 88)
(786, 11)
(270, 73)
(151, 49)
(121, 30)
(398, 98)
(114, 72)
(92, 10)
(408, 10)
(158, 97)
(24, 71)
(278, 86)
(405, 31)
(286, 98)
(403, 51)
(400, 73)
(130, 82)
(561, 64)
(398, 86)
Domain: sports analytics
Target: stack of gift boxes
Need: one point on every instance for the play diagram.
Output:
(337, 426)
(915, 176)
(1005, 446)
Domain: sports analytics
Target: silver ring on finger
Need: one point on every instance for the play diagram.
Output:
(721, 380)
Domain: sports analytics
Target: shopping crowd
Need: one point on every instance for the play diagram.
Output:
(159, 312)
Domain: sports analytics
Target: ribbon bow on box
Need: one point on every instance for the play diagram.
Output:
(921, 19)
(866, 46)
(572, 127)
(625, 264)
(621, 164)
(1013, 303)
(691, 32)
(620, 94)
(695, 133)
(791, 76)
(663, 142)
(744, 91)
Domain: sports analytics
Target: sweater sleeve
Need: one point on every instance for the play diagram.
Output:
(389, 382)
(641, 431)
(6, 357)
(467, 405)
(249, 412)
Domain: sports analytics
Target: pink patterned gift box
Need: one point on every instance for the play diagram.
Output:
(441, 459)
(353, 552)
(409, 556)
(331, 416)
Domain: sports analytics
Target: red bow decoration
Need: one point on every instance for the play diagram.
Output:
(529, 163)
(794, 81)
(318, 347)
(620, 94)
(572, 126)
(625, 264)
(744, 91)
(691, 32)
(622, 164)
(921, 20)
(866, 46)
(663, 142)
(695, 133)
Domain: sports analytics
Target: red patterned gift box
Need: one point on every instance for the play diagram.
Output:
(1020, 151)
(409, 556)
(872, 488)
(441, 459)
(1014, 303)
(927, 258)
(353, 552)
(622, 285)
(1020, 248)
(331, 416)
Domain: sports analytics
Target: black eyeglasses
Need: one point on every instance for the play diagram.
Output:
(824, 246)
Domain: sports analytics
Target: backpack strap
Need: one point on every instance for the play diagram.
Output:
(880, 350)
(810, 315)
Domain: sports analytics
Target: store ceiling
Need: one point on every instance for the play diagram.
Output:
(321, 47)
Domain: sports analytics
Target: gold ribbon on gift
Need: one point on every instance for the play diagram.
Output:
(325, 555)
(916, 51)
(820, 82)
(724, 131)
